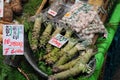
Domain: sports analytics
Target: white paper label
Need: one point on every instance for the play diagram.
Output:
(13, 40)
(58, 40)
(77, 1)
(51, 12)
(1, 8)
(7, 1)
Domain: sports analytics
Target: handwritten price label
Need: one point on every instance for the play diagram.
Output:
(1, 8)
(51, 12)
(13, 40)
(58, 41)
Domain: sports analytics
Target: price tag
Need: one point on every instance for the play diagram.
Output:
(1, 8)
(77, 1)
(58, 40)
(13, 40)
(67, 14)
(51, 12)
(7, 1)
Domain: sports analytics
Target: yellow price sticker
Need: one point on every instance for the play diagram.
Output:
(67, 14)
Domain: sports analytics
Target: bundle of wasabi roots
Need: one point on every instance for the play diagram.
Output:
(69, 60)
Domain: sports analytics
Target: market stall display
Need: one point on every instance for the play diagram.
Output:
(72, 60)
(64, 58)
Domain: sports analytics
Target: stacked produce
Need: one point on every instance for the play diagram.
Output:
(58, 29)
(78, 27)
(74, 69)
(68, 34)
(59, 59)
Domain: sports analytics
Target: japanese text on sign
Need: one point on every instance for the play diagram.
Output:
(1, 8)
(58, 40)
(13, 40)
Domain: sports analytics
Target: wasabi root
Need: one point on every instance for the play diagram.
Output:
(68, 73)
(68, 33)
(67, 56)
(67, 65)
(49, 47)
(72, 42)
(75, 70)
(53, 52)
(35, 33)
(71, 53)
(44, 38)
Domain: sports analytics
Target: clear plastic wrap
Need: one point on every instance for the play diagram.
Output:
(84, 20)
(58, 9)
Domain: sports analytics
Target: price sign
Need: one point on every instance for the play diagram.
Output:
(77, 1)
(51, 12)
(58, 40)
(13, 40)
(1, 8)
(7, 1)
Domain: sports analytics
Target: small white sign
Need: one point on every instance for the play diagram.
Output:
(58, 40)
(1, 8)
(7, 1)
(13, 40)
(51, 12)
(76, 1)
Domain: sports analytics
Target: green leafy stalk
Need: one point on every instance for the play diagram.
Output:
(35, 33)
(45, 35)
(78, 68)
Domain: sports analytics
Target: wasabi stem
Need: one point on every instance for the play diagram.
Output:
(35, 33)
(78, 68)
(67, 56)
(68, 33)
(69, 45)
(68, 73)
(53, 52)
(57, 30)
(71, 53)
(67, 65)
(44, 38)
(49, 47)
